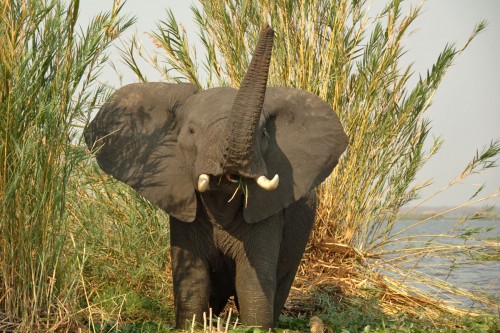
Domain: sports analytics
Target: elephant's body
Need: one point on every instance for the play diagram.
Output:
(217, 256)
(204, 158)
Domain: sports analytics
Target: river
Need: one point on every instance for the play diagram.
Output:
(468, 270)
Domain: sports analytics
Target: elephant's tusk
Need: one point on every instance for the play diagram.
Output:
(268, 185)
(203, 182)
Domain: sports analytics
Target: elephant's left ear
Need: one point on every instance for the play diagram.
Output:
(134, 137)
(304, 142)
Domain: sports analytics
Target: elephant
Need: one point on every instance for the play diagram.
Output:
(235, 169)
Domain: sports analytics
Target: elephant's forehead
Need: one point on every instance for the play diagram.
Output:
(209, 105)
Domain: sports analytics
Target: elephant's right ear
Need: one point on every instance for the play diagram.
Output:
(134, 136)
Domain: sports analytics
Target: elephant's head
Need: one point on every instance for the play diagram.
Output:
(169, 140)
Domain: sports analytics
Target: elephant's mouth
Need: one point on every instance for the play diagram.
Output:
(205, 180)
(235, 179)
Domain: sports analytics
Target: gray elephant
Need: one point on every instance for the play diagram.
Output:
(205, 158)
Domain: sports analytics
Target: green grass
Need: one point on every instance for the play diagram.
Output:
(349, 319)
(48, 73)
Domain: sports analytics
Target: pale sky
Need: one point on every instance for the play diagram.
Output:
(465, 111)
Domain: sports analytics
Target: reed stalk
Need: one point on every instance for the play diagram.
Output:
(48, 71)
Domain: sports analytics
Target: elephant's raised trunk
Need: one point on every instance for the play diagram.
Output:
(242, 153)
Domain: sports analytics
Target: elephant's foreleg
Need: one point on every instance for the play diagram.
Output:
(299, 219)
(191, 287)
(256, 273)
(256, 298)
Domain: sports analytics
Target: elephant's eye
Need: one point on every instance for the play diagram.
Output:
(191, 130)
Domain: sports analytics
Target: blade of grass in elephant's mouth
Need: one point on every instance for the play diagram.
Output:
(242, 184)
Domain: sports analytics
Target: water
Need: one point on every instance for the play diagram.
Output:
(465, 271)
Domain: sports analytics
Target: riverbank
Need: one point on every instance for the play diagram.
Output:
(452, 213)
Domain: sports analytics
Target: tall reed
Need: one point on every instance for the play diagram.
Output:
(48, 69)
(352, 59)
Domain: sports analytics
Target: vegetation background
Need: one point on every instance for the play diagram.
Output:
(79, 250)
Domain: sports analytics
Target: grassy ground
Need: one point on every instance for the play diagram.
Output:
(345, 321)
